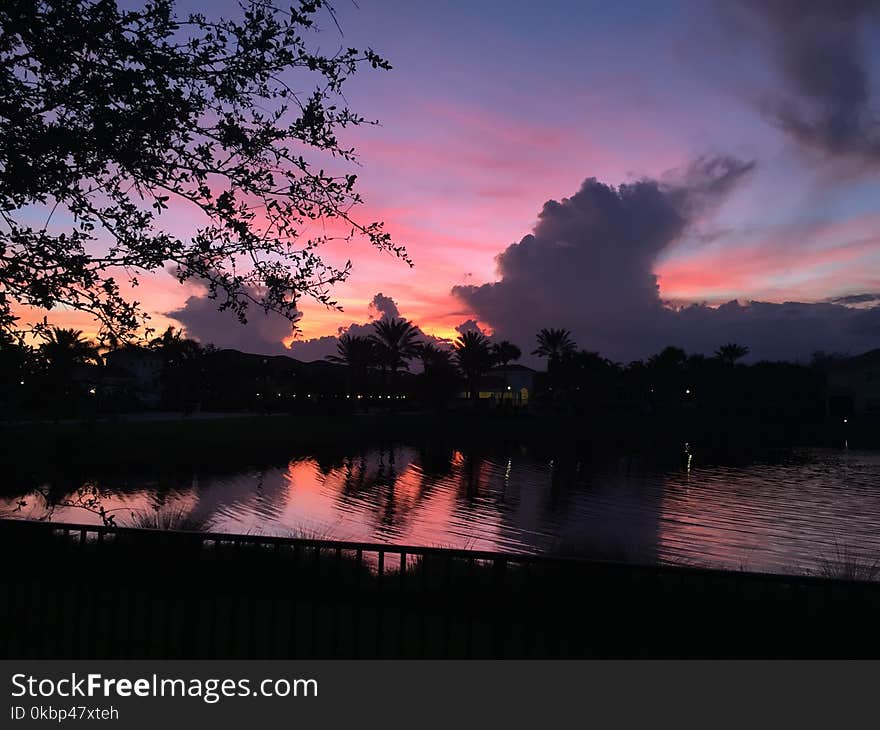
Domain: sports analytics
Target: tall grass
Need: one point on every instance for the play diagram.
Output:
(312, 532)
(844, 564)
(167, 519)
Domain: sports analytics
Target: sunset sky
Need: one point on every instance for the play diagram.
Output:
(747, 132)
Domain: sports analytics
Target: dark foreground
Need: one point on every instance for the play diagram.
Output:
(69, 591)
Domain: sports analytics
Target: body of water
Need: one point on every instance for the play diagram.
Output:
(793, 511)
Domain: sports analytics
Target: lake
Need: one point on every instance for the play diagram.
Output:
(786, 511)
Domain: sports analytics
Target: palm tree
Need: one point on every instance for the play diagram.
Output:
(433, 357)
(353, 350)
(183, 378)
(473, 352)
(668, 374)
(356, 352)
(669, 358)
(439, 375)
(592, 361)
(731, 352)
(63, 351)
(15, 361)
(174, 347)
(396, 342)
(505, 351)
(63, 348)
(554, 344)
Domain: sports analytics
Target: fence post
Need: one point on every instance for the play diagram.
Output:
(380, 603)
(499, 607)
(401, 608)
(356, 606)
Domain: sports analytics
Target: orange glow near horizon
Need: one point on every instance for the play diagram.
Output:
(833, 259)
(453, 233)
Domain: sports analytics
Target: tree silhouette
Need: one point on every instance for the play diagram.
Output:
(669, 358)
(15, 365)
(182, 368)
(554, 344)
(433, 357)
(358, 354)
(63, 351)
(396, 342)
(64, 348)
(355, 351)
(439, 376)
(731, 352)
(175, 348)
(110, 116)
(473, 353)
(586, 363)
(667, 373)
(505, 351)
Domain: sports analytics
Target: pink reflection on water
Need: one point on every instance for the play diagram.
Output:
(790, 517)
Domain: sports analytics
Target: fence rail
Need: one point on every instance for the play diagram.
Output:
(73, 590)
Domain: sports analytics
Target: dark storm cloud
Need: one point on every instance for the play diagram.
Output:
(591, 255)
(316, 348)
(204, 322)
(470, 325)
(819, 49)
(383, 306)
(792, 330)
(588, 267)
(865, 298)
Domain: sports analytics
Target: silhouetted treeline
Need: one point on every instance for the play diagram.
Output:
(65, 375)
(673, 382)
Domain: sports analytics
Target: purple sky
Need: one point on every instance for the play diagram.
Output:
(744, 133)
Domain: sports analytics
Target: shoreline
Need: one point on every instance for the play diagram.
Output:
(527, 423)
(34, 449)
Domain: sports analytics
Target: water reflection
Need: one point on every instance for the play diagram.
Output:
(778, 514)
